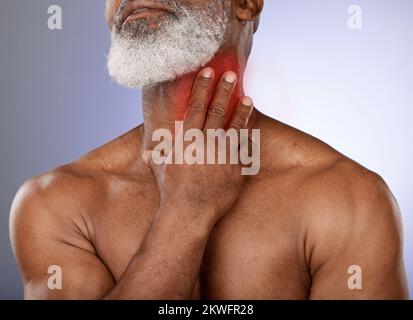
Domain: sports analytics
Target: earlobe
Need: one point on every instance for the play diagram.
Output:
(248, 10)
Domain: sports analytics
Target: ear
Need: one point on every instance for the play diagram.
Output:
(248, 10)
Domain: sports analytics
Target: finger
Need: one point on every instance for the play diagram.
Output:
(242, 114)
(219, 106)
(239, 121)
(199, 100)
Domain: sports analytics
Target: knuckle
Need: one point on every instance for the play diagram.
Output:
(244, 112)
(226, 87)
(217, 110)
(237, 125)
(197, 105)
(203, 84)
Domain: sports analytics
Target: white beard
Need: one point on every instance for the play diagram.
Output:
(180, 45)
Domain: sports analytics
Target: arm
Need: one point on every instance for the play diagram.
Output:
(193, 199)
(165, 267)
(168, 262)
(357, 246)
(44, 233)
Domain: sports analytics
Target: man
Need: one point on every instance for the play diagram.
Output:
(312, 224)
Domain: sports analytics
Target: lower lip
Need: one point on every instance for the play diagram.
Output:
(145, 14)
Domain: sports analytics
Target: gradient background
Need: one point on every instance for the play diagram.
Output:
(348, 88)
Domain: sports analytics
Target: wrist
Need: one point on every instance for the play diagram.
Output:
(196, 218)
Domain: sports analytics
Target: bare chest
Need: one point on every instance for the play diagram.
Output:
(254, 251)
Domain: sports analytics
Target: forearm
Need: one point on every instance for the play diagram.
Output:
(167, 264)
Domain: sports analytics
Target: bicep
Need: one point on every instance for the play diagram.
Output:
(55, 261)
(61, 271)
(368, 271)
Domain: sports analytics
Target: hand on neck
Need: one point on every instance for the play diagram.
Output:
(165, 103)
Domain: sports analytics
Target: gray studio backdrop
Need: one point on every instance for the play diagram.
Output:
(351, 88)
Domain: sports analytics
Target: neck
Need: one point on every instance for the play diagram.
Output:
(165, 103)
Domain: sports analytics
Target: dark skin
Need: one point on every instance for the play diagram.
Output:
(121, 227)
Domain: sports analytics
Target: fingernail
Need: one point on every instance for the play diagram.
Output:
(207, 73)
(231, 77)
(247, 101)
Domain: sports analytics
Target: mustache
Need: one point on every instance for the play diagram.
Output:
(170, 5)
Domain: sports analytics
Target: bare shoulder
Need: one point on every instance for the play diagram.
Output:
(329, 186)
(352, 223)
(50, 226)
(322, 175)
(53, 205)
(344, 197)
(63, 198)
(347, 216)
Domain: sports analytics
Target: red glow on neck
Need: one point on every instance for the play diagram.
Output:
(171, 99)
